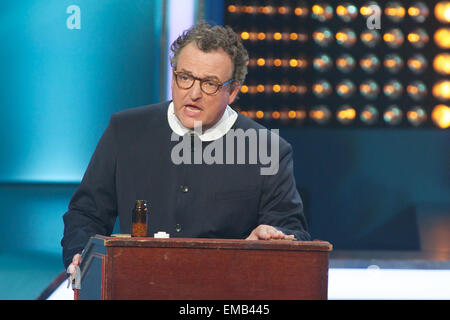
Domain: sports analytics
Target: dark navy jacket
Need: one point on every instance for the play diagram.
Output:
(133, 161)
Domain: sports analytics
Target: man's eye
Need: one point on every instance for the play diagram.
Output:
(184, 77)
(210, 83)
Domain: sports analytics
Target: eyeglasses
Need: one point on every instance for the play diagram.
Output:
(209, 86)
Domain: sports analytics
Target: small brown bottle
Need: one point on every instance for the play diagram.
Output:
(139, 220)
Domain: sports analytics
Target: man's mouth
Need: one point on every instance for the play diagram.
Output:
(193, 108)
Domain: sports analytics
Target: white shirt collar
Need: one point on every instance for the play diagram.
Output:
(215, 132)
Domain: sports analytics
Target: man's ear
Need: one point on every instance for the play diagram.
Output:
(236, 86)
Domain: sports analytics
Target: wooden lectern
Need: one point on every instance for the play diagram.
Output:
(203, 269)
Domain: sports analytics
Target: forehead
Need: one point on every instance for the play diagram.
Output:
(205, 64)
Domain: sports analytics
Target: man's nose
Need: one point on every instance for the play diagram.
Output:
(195, 91)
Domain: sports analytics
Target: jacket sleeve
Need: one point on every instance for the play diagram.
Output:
(281, 205)
(93, 207)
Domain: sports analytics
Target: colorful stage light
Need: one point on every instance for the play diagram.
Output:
(417, 63)
(320, 114)
(393, 115)
(347, 12)
(346, 114)
(395, 11)
(393, 89)
(323, 37)
(442, 11)
(441, 116)
(418, 11)
(322, 12)
(394, 38)
(441, 90)
(370, 38)
(416, 116)
(417, 90)
(345, 88)
(369, 115)
(393, 62)
(369, 89)
(322, 88)
(418, 38)
(442, 38)
(369, 63)
(367, 9)
(345, 63)
(346, 37)
(322, 63)
(441, 63)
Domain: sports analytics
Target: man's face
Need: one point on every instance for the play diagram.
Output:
(193, 104)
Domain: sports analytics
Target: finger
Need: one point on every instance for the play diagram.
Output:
(252, 236)
(76, 260)
(71, 269)
(276, 234)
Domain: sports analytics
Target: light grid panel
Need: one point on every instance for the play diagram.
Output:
(345, 64)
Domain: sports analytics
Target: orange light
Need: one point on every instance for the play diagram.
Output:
(317, 9)
(341, 36)
(366, 11)
(413, 11)
(412, 115)
(277, 62)
(395, 12)
(346, 114)
(277, 36)
(442, 38)
(293, 36)
(413, 37)
(282, 10)
(442, 11)
(301, 11)
(318, 88)
(293, 63)
(261, 36)
(292, 114)
(317, 114)
(441, 116)
(341, 10)
(245, 35)
(276, 115)
(366, 37)
(441, 63)
(276, 88)
(441, 90)
(267, 10)
(260, 62)
(244, 89)
(260, 88)
(232, 8)
(259, 114)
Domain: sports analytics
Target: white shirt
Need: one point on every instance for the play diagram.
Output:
(215, 132)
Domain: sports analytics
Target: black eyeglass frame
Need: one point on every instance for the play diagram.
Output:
(219, 84)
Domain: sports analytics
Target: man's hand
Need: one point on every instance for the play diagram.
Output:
(266, 232)
(76, 260)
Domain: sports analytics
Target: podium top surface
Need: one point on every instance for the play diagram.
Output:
(206, 243)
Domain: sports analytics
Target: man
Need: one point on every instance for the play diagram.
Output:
(134, 159)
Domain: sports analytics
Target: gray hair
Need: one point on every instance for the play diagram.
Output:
(209, 38)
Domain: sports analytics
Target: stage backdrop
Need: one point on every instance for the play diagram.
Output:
(65, 67)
